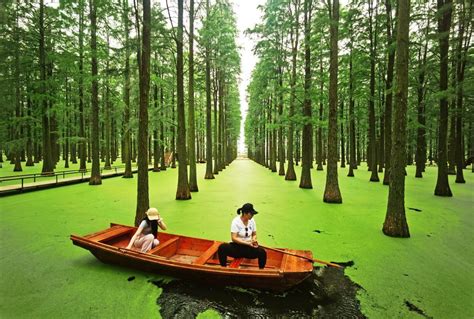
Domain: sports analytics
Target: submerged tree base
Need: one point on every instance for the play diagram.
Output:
(95, 180)
(332, 197)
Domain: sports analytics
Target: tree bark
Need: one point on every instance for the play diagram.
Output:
(444, 23)
(461, 64)
(281, 149)
(17, 127)
(372, 138)
(108, 107)
(290, 171)
(352, 144)
(332, 193)
(126, 96)
(193, 185)
(420, 156)
(47, 158)
(209, 174)
(319, 155)
(395, 224)
(305, 181)
(143, 201)
(182, 191)
(95, 178)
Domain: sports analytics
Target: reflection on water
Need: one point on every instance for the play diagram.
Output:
(328, 293)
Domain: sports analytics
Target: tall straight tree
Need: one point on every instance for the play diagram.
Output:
(126, 94)
(461, 52)
(352, 146)
(95, 179)
(420, 156)
(294, 36)
(209, 174)
(193, 186)
(47, 157)
(17, 129)
(307, 146)
(182, 191)
(395, 224)
(444, 24)
(372, 138)
(332, 194)
(143, 201)
(388, 93)
(82, 135)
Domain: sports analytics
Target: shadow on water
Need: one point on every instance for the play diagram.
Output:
(328, 293)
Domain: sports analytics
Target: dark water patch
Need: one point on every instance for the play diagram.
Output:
(349, 263)
(317, 231)
(415, 209)
(328, 293)
(414, 308)
(131, 278)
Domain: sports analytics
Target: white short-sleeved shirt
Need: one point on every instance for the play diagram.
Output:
(238, 227)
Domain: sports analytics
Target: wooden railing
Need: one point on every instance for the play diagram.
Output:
(56, 175)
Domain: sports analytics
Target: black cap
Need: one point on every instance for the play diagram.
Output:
(247, 208)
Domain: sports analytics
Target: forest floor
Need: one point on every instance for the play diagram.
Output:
(430, 274)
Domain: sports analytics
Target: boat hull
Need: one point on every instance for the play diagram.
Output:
(276, 278)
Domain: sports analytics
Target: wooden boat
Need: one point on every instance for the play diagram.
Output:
(196, 259)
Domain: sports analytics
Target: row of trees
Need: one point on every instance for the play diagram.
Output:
(397, 94)
(94, 79)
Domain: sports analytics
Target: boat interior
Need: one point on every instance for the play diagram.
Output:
(184, 249)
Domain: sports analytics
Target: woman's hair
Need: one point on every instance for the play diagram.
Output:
(239, 211)
(153, 224)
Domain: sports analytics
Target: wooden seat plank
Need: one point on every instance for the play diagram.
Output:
(207, 254)
(119, 231)
(163, 245)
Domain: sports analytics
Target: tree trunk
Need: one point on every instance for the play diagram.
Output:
(95, 178)
(290, 172)
(47, 158)
(281, 149)
(156, 152)
(162, 130)
(319, 155)
(143, 201)
(82, 134)
(107, 104)
(216, 143)
(395, 224)
(17, 127)
(420, 156)
(343, 152)
(372, 138)
(444, 23)
(461, 63)
(182, 191)
(193, 186)
(126, 96)
(209, 174)
(352, 145)
(305, 181)
(332, 193)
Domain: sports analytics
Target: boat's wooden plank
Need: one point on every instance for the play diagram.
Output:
(236, 262)
(244, 263)
(119, 231)
(163, 245)
(201, 260)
